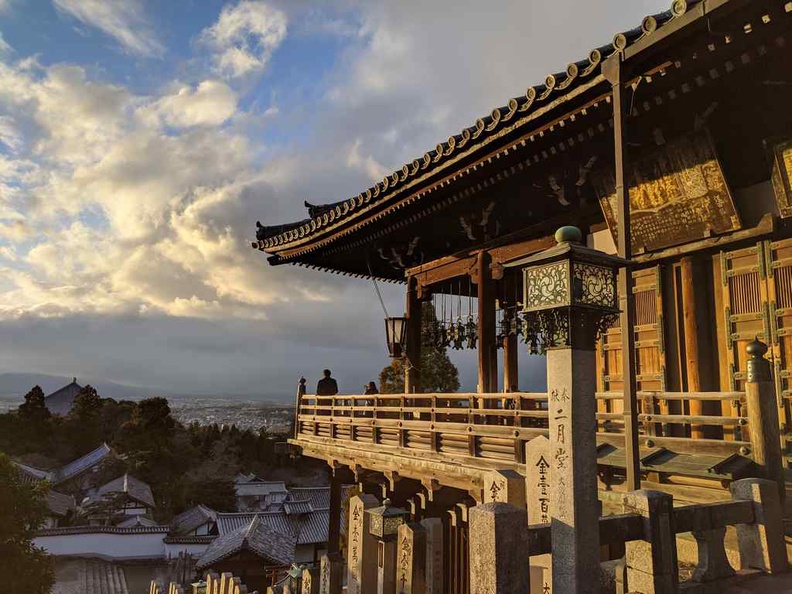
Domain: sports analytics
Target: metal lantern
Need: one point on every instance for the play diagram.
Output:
(569, 292)
(395, 333)
(384, 521)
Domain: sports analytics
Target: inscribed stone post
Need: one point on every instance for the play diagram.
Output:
(411, 560)
(574, 508)
(434, 555)
(506, 486)
(310, 581)
(498, 549)
(537, 495)
(330, 575)
(362, 547)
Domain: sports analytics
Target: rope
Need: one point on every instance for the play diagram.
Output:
(376, 287)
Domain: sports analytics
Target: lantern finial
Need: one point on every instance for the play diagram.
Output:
(568, 234)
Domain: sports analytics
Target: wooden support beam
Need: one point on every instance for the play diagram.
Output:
(412, 369)
(510, 342)
(690, 325)
(612, 70)
(487, 380)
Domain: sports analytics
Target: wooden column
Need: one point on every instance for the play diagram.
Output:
(690, 325)
(487, 369)
(510, 342)
(612, 70)
(412, 373)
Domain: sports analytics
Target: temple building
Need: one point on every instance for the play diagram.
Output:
(682, 122)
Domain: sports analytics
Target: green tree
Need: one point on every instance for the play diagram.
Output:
(34, 408)
(87, 405)
(24, 567)
(438, 374)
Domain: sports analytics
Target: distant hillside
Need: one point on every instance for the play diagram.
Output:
(15, 385)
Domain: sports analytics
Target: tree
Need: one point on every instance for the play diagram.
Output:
(34, 408)
(23, 508)
(87, 404)
(438, 374)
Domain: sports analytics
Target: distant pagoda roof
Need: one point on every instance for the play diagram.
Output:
(61, 401)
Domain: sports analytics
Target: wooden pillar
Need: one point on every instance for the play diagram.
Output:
(487, 351)
(412, 373)
(690, 325)
(612, 70)
(334, 530)
(510, 342)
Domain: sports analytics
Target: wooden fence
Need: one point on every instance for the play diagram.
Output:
(496, 426)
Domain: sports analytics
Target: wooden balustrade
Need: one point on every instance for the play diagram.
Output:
(496, 425)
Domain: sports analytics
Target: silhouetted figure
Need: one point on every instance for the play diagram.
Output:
(371, 388)
(327, 386)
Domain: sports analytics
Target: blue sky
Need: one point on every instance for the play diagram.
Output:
(141, 140)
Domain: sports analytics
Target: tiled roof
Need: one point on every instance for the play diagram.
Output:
(133, 521)
(297, 507)
(257, 537)
(517, 112)
(310, 528)
(258, 488)
(60, 402)
(59, 504)
(72, 469)
(193, 518)
(103, 530)
(29, 474)
(319, 497)
(134, 488)
(102, 577)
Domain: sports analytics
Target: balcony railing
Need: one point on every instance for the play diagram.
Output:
(496, 426)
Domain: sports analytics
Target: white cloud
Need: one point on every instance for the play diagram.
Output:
(124, 20)
(245, 36)
(211, 103)
(5, 48)
(9, 134)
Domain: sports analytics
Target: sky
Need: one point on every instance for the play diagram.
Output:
(141, 140)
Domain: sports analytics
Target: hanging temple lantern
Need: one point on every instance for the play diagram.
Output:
(569, 293)
(395, 334)
(384, 521)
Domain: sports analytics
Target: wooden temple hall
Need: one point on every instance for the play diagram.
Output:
(670, 149)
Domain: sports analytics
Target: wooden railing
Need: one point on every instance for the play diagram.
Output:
(496, 426)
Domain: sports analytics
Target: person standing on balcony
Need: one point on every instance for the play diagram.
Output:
(327, 386)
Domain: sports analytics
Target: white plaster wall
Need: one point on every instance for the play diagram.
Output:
(111, 546)
(196, 550)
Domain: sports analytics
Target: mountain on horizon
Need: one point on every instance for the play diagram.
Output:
(17, 384)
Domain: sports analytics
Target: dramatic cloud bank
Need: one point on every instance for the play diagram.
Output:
(127, 210)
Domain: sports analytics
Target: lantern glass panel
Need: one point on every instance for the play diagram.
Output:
(394, 334)
(594, 285)
(547, 286)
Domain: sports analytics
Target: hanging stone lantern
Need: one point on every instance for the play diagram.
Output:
(395, 334)
(569, 292)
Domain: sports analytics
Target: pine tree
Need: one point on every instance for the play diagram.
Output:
(34, 408)
(438, 374)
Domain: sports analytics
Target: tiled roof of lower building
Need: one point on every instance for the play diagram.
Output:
(258, 537)
(80, 465)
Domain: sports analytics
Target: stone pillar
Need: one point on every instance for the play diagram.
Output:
(386, 566)
(713, 564)
(761, 543)
(505, 486)
(310, 581)
(763, 424)
(574, 507)
(537, 495)
(498, 549)
(411, 562)
(330, 575)
(652, 564)
(362, 547)
(434, 555)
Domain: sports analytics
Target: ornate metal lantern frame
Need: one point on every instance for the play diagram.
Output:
(384, 521)
(569, 294)
(395, 335)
